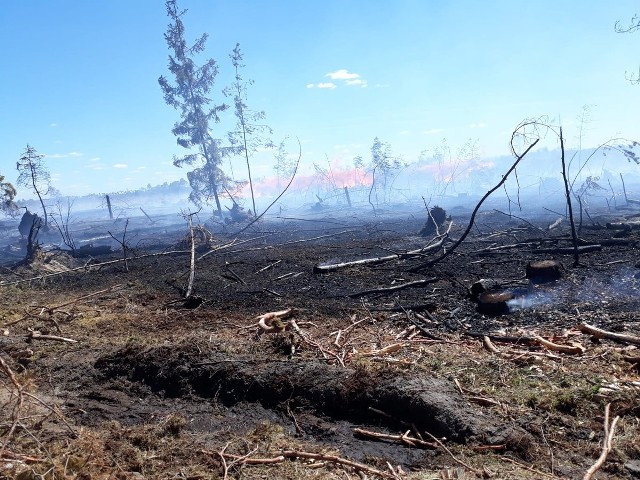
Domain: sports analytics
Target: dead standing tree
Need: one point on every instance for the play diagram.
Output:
(246, 139)
(34, 175)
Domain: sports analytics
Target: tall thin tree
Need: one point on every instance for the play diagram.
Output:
(190, 95)
(247, 137)
(34, 175)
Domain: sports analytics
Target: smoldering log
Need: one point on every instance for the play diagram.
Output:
(487, 284)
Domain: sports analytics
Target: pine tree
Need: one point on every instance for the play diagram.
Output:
(190, 95)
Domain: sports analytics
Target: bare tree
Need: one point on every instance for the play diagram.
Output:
(632, 26)
(190, 95)
(247, 138)
(382, 164)
(33, 174)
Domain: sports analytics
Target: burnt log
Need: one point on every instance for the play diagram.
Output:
(437, 217)
(493, 284)
(27, 221)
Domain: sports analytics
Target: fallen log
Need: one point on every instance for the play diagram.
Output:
(600, 333)
(376, 260)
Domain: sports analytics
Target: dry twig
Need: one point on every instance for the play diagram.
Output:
(609, 430)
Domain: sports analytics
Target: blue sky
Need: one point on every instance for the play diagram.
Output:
(79, 78)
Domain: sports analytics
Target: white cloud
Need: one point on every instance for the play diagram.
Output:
(432, 131)
(120, 165)
(478, 125)
(347, 78)
(342, 74)
(53, 125)
(94, 159)
(405, 132)
(63, 155)
(357, 81)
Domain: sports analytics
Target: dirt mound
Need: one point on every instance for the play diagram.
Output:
(431, 404)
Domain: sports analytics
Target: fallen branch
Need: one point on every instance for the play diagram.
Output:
(377, 260)
(474, 213)
(576, 348)
(458, 461)
(293, 454)
(271, 322)
(394, 347)
(609, 430)
(599, 333)
(192, 263)
(394, 288)
(405, 438)
(35, 335)
(570, 250)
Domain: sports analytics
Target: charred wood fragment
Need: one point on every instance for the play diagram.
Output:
(437, 217)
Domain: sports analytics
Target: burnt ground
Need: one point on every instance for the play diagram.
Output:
(149, 385)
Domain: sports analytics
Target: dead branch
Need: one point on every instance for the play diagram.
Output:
(123, 244)
(244, 460)
(526, 340)
(394, 288)
(567, 189)
(404, 438)
(576, 348)
(486, 342)
(457, 243)
(377, 260)
(458, 461)
(17, 407)
(526, 467)
(295, 171)
(394, 347)
(609, 430)
(570, 250)
(600, 333)
(35, 335)
(293, 454)
(192, 264)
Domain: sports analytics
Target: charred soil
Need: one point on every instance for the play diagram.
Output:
(393, 364)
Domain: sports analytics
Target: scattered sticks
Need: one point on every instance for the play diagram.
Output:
(405, 438)
(293, 455)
